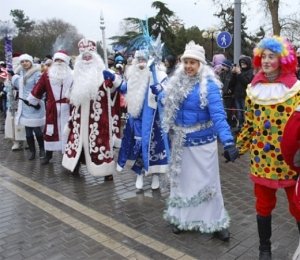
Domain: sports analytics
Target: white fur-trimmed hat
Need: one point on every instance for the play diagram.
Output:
(26, 57)
(61, 55)
(87, 45)
(194, 51)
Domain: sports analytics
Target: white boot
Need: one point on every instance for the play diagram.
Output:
(16, 146)
(155, 182)
(139, 181)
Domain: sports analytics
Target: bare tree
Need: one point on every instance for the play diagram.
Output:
(55, 34)
(271, 9)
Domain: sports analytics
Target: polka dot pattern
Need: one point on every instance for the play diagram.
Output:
(262, 133)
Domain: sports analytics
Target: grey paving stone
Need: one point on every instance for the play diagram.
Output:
(27, 232)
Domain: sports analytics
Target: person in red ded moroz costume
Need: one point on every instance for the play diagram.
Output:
(54, 84)
(90, 126)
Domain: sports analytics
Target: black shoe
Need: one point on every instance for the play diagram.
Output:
(265, 255)
(108, 178)
(30, 142)
(176, 230)
(42, 153)
(31, 156)
(77, 169)
(47, 158)
(223, 235)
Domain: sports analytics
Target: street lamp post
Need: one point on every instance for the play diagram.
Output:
(102, 28)
(210, 34)
(212, 45)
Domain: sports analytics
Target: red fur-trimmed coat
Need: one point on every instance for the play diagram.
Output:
(57, 110)
(91, 133)
(290, 143)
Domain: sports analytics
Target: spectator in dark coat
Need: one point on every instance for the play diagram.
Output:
(241, 77)
(170, 63)
(225, 76)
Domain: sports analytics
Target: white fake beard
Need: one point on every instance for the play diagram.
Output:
(57, 72)
(88, 77)
(138, 80)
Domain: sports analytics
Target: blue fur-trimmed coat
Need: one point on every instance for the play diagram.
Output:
(212, 117)
(194, 107)
(142, 140)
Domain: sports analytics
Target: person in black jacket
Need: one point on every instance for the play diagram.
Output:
(225, 76)
(241, 77)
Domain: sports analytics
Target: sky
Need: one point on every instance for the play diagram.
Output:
(85, 14)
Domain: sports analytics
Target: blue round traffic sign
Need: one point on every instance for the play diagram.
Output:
(224, 39)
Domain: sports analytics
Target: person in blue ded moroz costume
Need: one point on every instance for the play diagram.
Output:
(142, 141)
(194, 117)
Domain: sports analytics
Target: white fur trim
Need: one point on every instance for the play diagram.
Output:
(103, 169)
(61, 56)
(69, 163)
(117, 142)
(33, 100)
(194, 51)
(26, 57)
(53, 146)
(33, 122)
(66, 129)
(14, 80)
(117, 82)
(157, 169)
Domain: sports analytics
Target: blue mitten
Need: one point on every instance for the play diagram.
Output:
(231, 153)
(156, 89)
(123, 87)
(108, 75)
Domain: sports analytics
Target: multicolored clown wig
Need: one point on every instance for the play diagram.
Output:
(282, 47)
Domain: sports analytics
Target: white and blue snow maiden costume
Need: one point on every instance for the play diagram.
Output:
(194, 117)
(27, 115)
(142, 141)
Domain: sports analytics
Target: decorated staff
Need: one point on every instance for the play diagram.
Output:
(8, 31)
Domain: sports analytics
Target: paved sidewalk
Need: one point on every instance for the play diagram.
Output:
(48, 213)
